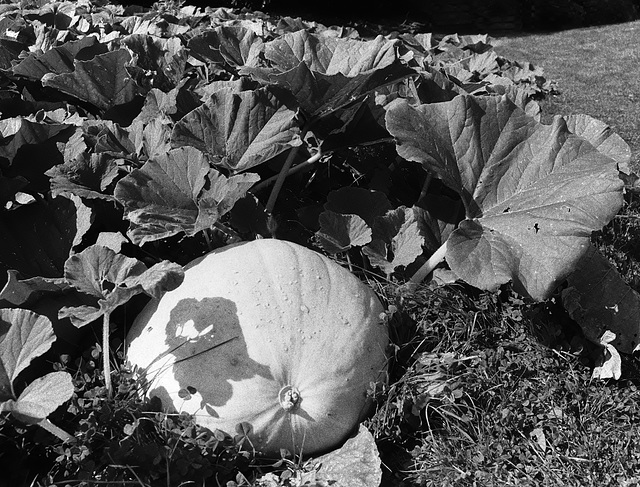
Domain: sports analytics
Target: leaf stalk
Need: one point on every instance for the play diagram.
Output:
(426, 268)
(294, 170)
(271, 203)
(106, 365)
(55, 430)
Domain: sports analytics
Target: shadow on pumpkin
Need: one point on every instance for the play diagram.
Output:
(210, 351)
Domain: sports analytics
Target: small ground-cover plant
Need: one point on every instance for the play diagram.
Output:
(120, 439)
(506, 396)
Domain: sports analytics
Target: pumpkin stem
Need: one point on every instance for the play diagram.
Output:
(289, 398)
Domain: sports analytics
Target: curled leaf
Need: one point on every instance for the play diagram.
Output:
(610, 363)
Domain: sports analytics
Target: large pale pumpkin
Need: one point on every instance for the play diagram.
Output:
(269, 333)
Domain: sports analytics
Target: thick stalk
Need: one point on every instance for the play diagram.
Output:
(300, 167)
(429, 265)
(271, 203)
(106, 364)
(425, 186)
(55, 430)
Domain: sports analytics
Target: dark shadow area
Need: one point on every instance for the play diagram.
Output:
(210, 350)
(449, 16)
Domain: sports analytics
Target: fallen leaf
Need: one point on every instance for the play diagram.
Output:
(355, 464)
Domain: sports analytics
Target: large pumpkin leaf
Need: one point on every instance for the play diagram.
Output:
(112, 279)
(24, 292)
(239, 130)
(330, 55)
(36, 240)
(355, 464)
(177, 192)
(87, 175)
(231, 46)
(19, 131)
(601, 136)
(57, 60)
(599, 300)
(532, 193)
(320, 94)
(329, 77)
(159, 63)
(102, 81)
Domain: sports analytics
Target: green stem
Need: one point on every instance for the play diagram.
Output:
(426, 269)
(106, 364)
(55, 430)
(300, 167)
(271, 203)
(207, 238)
(425, 186)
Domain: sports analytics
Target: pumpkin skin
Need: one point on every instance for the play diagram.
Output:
(270, 333)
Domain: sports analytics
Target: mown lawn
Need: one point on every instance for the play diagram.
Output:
(596, 69)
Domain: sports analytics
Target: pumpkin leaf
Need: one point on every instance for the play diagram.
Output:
(321, 95)
(599, 300)
(37, 239)
(113, 240)
(112, 279)
(18, 292)
(57, 60)
(330, 55)
(41, 397)
(367, 204)
(164, 58)
(238, 130)
(531, 198)
(339, 232)
(355, 464)
(87, 175)
(102, 81)
(601, 136)
(177, 192)
(230, 46)
(397, 241)
(24, 335)
(18, 131)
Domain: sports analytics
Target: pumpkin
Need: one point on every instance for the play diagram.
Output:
(268, 333)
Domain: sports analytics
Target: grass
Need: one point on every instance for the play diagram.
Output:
(596, 69)
(500, 393)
